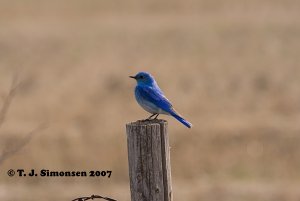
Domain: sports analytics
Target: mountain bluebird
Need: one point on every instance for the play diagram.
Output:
(151, 98)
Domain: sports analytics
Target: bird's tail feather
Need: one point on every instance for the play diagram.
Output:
(179, 118)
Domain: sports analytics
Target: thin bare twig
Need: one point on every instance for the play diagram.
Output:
(7, 100)
(7, 153)
(93, 197)
(15, 84)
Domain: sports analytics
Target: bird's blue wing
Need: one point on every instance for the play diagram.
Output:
(155, 96)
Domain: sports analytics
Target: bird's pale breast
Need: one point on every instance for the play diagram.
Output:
(147, 105)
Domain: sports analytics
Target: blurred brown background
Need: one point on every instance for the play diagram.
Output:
(230, 67)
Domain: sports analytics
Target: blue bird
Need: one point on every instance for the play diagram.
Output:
(151, 98)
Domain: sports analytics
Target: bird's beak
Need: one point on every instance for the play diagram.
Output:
(132, 77)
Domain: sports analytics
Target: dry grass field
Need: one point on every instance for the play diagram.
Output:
(232, 68)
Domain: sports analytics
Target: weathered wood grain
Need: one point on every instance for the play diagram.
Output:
(149, 161)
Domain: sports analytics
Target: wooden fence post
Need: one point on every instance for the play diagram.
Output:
(149, 161)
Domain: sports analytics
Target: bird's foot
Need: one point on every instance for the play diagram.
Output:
(144, 120)
(150, 118)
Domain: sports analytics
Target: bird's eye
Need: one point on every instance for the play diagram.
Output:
(142, 77)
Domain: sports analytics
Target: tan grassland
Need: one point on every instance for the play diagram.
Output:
(232, 68)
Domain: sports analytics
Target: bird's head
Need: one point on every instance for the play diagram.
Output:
(143, 78)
